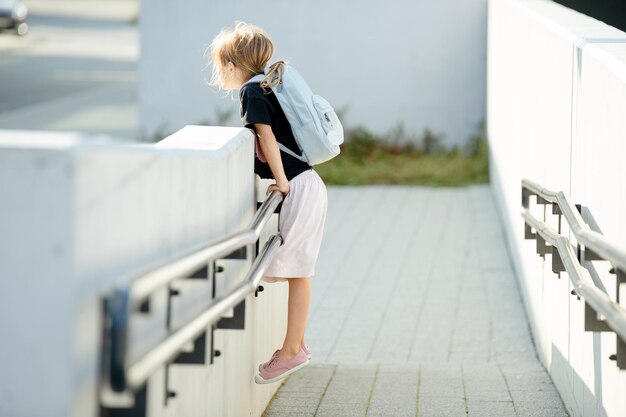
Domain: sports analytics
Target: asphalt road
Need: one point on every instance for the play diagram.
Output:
(74, 70)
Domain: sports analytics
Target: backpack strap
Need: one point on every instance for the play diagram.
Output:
(256, 79)
(290, 152)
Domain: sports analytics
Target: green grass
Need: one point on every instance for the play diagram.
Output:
(368, 159)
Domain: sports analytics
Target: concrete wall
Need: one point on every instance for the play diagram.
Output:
(556, 104)
(421, 63)
(80, 214)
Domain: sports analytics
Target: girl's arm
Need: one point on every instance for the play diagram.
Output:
(270, 149)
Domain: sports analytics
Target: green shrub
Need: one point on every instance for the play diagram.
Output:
(397, 158)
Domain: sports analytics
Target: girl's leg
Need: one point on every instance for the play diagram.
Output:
(298, 308)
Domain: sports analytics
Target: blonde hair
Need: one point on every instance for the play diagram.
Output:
(249, 48)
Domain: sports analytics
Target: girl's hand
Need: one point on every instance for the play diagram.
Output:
(283, 187)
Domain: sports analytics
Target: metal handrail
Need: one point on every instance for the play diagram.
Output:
(584, 286)
(584, 235)
(138, 373)
(194, 259)
(614, 314)
(122, 375)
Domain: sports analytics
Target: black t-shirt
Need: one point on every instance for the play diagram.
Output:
(258, 106)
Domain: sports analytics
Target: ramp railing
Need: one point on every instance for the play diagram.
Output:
(122, 378)
(601, 312)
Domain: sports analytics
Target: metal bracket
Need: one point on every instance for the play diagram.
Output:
(202, 273)
(556, 210)
(216, 270)
(557, 262)
(590, 255)
(620, 278)
(542, 247)
(167, 392)
(241, 253)
(237, 321)
(258, 290)
(621, 353)
(526, 193)
(144, 307)
(171, 292)
(214, 353)
(541, 200)
(592, 323)
(197, 356)
(137, 410)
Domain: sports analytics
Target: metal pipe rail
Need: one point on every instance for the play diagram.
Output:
(120, 375)
(599, 301)
(584, 235)
(150, 282)
(583, 284)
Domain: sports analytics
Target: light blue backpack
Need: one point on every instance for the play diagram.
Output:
(314, 123)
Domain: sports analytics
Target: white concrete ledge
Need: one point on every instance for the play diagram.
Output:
(80, 214)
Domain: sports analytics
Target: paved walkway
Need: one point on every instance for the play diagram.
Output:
(415, 311)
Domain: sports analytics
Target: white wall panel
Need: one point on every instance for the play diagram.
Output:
(421, 63)
(556, 100)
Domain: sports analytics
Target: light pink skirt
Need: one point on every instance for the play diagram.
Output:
(301, 224)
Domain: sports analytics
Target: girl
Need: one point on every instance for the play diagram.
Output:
(237, 55)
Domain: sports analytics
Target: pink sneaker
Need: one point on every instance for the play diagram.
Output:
(278, 369)
(304, 347)
(264, 364)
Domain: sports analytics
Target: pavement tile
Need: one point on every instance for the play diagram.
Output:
(395, 392)
(491, 409)
(537, 409)
(441, 407)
